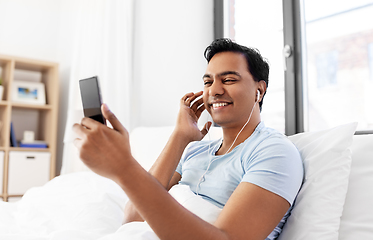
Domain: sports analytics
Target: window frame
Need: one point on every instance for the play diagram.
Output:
(295, 74)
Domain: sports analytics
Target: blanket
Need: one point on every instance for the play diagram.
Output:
(84, 206)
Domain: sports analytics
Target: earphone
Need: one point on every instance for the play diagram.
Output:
(248, 120)
(211, 161)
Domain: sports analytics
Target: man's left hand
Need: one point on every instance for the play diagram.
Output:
(104, 150)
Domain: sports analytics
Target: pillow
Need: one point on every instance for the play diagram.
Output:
(318, 208)
(357, 217)
(148, 142)
(195, 203)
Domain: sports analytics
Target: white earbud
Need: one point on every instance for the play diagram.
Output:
(257, 96)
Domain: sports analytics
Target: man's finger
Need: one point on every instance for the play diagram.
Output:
(196, 104)
(200, 110)
(78, 143)
(185, 97)
(79, 130)
(89, 123)
(192, 98)
(206, 128)
(112, 119)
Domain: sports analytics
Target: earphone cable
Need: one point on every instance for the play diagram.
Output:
(208, 151)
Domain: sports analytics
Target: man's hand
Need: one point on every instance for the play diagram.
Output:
(191, 109)
(104, 150)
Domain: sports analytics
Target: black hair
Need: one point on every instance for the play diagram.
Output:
(256, 64)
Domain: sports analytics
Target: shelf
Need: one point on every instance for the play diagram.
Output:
(4, 103)
(34, 65)
(11, 196)
(6, 196)
(5, 59)
(32, 106)
(28, 64)
(40, 119)
(23, 149)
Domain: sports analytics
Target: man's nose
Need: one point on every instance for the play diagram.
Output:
(216, 88)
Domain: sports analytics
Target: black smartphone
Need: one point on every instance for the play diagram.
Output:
(91, 99)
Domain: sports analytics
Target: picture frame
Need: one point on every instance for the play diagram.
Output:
(28, 92)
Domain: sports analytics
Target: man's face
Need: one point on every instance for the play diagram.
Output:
(229, 89)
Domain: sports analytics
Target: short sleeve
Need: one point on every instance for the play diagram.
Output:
(276, 166)
(179, 166)
(187, 152)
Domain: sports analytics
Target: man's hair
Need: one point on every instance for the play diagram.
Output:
(256, 64)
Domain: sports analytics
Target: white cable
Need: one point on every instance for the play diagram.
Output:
(251, 113)
(208, 153)
(210, 162)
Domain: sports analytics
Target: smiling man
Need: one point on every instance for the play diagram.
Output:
(253, 173)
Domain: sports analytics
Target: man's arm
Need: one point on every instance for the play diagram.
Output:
(186, 131)
(164, 167)
(163, 170)
(130, 212)
(250, 213)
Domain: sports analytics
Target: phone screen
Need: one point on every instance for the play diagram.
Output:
(91, 99)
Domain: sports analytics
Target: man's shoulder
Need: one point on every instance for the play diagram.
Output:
(271, 139)
(264, 134)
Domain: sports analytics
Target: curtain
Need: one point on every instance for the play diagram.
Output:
(102, 47)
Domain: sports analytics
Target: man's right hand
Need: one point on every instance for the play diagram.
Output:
(191, 109)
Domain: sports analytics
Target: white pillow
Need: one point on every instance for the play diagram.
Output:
(148, 142)
(357, 217)
(318, 208)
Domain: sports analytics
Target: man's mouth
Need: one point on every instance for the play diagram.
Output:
(219, 105)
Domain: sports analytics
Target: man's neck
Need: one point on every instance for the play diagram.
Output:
(230, 135)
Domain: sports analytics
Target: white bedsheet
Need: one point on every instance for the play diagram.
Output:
(84, 206)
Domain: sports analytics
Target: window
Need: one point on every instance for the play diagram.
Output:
(329, 77)
(326, 69)
(247, 26)
(370, 59)
(337, 38)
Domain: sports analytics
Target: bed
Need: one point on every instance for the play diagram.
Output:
(334, 202)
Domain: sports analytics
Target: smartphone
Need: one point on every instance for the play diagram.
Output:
(91, 99)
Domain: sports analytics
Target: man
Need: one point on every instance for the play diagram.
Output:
(253, 173)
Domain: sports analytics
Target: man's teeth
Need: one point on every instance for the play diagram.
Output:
(215, 105)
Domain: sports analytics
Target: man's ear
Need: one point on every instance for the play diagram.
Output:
(262, 87)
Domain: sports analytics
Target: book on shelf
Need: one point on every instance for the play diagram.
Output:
(13, 141)
(33, 144)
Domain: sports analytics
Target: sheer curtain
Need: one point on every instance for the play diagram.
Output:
(103, 47)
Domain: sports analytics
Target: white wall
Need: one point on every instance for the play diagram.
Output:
(41, 29)
(170, 37)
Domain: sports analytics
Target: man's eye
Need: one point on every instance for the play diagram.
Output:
(207, 83)
(229, 80)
